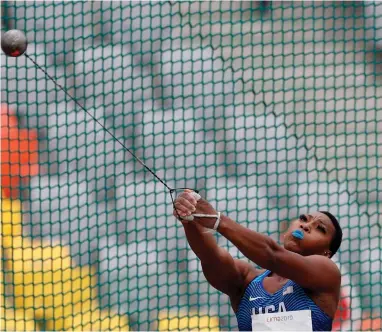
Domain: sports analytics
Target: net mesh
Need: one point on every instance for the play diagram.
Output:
(269, 108)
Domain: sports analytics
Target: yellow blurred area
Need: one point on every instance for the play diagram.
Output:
(97, 321)
(187, 321)
(47, 285)
(16, 320)
(13, 320)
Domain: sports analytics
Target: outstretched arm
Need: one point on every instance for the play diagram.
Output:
(315, 272)
(312, 272)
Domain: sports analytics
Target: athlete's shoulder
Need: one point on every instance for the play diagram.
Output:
(327, 267)
(317, 273)
(325, 262)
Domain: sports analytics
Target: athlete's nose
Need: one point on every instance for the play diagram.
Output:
(305, 227)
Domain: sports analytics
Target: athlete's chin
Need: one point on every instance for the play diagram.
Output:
(292, 245)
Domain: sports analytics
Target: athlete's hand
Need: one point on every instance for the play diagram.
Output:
(186, 204)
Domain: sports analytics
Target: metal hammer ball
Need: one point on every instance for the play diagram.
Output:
(14, 43)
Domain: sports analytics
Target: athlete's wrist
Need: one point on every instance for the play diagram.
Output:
(224, 224)
(186, 223)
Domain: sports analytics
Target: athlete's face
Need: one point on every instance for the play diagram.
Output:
(318, 232)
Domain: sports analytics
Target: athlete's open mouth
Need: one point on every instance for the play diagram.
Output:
(298, 234)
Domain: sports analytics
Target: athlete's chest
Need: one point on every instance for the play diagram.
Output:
(269, 294)
(260, 301)
(273, 284)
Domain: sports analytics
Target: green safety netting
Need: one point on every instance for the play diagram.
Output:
(269, 108)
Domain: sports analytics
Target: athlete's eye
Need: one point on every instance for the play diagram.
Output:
(303, 217)
(322, 229)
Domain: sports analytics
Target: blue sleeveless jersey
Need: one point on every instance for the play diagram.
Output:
(291, 297)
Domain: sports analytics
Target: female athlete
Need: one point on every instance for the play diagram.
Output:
(297, 289)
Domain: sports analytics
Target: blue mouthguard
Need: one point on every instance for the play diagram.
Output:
(299, 234)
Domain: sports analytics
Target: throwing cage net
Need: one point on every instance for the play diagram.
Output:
(270, 109)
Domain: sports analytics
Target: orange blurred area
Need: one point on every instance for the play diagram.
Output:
(370, 324)
(19, 153)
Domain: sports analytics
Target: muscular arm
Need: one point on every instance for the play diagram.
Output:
(311, 272)
(224, 273)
